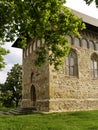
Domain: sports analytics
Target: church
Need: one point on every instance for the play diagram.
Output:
(75, 86)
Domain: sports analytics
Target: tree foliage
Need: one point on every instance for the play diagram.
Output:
(3, 52)
(11, 89)
(90, 1)
(40, 19)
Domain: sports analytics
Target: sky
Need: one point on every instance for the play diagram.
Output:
(15, 55)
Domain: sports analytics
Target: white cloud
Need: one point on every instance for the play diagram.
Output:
(3, 73)
(14, 57)
(81, 6)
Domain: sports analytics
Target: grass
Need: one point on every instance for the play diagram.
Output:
(85, 120)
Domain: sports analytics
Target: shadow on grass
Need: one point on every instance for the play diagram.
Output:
(93, 128)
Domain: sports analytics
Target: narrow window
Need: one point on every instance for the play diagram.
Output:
(71, 64)
(94, 66)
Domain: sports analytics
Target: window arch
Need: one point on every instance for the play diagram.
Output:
(91, 45)
(84, 43)
(77, 41)
(94, 66)
(71, 64)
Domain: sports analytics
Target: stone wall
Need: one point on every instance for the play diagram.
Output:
(38, 77)
(54, 90)
(68, 93)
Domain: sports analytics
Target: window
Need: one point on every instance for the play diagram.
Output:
(71, 64)
(91, 45)
(94, 66)
(77, 42)
(84, 43)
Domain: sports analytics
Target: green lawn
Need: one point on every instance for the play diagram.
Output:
(54, 121)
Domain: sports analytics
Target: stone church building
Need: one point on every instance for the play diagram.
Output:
(75, 86)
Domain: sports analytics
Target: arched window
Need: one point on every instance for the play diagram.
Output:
(84, 43)
(77, 41)
(94, 66)
(71, 64)
(91, 45)
(69, 40)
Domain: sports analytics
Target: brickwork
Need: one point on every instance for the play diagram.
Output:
(36, 77)
(74, 93)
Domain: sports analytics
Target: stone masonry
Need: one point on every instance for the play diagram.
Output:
(51, 90)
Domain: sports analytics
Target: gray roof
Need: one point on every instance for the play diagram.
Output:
(87, 19)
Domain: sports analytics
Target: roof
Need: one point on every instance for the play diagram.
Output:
(91, 24)
(16, 43)
(86, 18)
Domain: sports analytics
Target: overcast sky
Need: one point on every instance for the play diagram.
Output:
(15, 55)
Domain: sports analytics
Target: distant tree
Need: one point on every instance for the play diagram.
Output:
(2, 53)
(11, 90)
(40, 19)
(90, 1)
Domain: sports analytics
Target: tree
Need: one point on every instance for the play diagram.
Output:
(11, 90)
(90, 1)
(2, 53)
(40, 19)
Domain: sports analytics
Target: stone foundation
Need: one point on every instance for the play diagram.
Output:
(73, 104)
